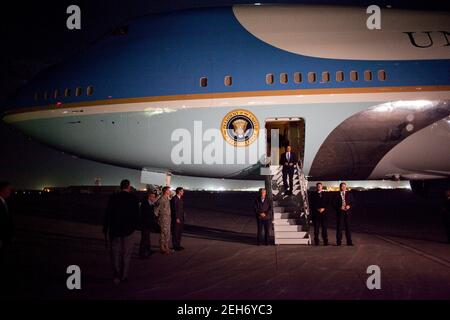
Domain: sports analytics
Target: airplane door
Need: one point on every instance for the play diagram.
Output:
(291, 131)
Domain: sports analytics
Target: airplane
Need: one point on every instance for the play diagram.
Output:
(175, 93)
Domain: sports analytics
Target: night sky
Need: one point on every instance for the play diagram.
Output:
(34, 36)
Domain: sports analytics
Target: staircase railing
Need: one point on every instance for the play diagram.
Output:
(304, 196)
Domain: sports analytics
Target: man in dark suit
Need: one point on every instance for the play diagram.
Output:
(121, 220)
(148, 219)
(6, 221)
(343, 204)
(319, 204)
(263, 211)
(177, 210)
(288, 160)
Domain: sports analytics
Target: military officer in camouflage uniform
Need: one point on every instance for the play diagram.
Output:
(163, 213)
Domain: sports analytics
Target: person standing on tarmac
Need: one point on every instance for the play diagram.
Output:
(163, 212)
(121, 220)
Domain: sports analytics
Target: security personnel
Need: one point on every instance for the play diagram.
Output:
(319, 205)
(177, 206)
(343, 204)
(263, 212)
(162, 211)
(147, 223)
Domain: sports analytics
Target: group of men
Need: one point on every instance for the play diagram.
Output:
(342, 203)
(125, 214)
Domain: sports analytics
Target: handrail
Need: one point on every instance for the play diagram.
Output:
(304, 194)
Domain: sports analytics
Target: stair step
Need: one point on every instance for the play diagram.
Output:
(278, 227)
(285, 215)
(292, 241)
(288, 206)
(289, 202)
(291, 235)
(285, 211)
(286, 222)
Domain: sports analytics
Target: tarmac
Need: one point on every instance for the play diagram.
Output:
(221, 261)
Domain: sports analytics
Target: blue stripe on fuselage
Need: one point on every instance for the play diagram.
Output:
(167, 54)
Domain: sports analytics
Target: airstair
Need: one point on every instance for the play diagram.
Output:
(290, 212)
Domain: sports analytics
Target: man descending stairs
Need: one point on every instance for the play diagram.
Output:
(290, 212)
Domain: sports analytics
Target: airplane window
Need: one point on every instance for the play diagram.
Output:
(203, 82)
(311, 77)
(339, 76)
(368, 75)
(67, 92)
(228, 81)
(283, 78)
(56, 94)
(297, 77)
(353, 75)
(382, 75)
(90, 91)
(269, 78)
(325, 77)
(78, 91)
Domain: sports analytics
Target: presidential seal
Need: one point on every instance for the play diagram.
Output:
(240, 128)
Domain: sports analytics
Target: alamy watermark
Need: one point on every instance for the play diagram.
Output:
(226, 146)
(73, 282)
(373, 22)
(374, 280)
(73, 22)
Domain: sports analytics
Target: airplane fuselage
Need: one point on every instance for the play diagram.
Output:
(375, 103)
